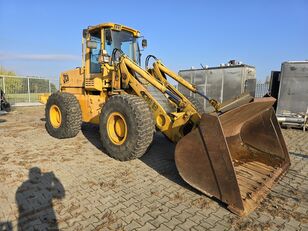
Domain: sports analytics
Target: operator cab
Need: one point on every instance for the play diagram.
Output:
(100, 41)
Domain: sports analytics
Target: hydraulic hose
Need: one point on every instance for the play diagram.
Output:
(147, 60)
(115, 51)
(213, 102)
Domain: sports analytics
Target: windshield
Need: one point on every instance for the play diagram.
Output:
(122, 40)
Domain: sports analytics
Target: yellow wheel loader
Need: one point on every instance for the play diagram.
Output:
(235, 153)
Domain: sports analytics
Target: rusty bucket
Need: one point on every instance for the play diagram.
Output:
(235, 156)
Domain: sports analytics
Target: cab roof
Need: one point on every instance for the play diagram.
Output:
(115, 26)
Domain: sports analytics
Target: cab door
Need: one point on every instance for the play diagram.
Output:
(93, 66)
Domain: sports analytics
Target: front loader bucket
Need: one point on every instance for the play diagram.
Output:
(236, 156)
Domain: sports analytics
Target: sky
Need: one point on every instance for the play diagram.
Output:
(43, 38)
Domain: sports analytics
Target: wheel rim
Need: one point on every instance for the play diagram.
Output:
(117, 128)
(55, 116)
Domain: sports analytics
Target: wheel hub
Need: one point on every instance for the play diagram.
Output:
(55, 116)
(117, 128)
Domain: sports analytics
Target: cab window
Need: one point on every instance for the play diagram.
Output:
(95, 66)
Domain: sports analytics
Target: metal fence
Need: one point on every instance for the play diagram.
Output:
(261, 89)
(22, 89)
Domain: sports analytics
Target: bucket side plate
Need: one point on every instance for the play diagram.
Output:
(203, 160)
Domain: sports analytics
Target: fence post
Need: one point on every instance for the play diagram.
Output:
(29, 89)
(3, 84)
(49, 87)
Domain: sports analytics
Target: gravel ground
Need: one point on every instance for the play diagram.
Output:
(73, 185)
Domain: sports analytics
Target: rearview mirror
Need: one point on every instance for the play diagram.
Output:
(91, 44)
(144, 43)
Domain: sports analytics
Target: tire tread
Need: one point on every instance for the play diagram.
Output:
(71, 115)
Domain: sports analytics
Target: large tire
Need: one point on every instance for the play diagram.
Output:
(196, 103)
(137, 127)
(70, 120)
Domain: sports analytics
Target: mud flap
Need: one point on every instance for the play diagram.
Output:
(236, 156)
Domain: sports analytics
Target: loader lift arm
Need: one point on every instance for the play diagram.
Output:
(160, 71)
